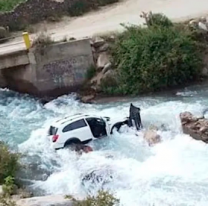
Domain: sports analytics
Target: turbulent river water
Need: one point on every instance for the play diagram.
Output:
(173, 172)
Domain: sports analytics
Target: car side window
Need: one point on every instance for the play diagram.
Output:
(75, 125)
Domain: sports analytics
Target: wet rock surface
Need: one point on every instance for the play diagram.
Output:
(52, 200)
(196, 127)
(151, 136)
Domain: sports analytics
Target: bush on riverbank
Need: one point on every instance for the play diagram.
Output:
(160, 56)
(102, 199)
(9, 163)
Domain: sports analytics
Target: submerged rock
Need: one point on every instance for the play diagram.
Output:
(151, 136)
(197, 128)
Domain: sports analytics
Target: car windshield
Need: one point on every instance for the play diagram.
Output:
(52, 130)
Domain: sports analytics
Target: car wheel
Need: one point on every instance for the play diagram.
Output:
(71, 143)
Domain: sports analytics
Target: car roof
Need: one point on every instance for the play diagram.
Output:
(71, 118)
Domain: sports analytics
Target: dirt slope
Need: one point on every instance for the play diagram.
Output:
(109, 18)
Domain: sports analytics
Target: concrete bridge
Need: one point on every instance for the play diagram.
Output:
(53, 70)
(63, 65)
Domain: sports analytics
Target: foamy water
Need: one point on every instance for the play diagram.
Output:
(173, 172)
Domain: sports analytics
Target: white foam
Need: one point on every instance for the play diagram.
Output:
(173, 172)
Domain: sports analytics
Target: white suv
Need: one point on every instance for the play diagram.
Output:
(82, 128)
(79, 128)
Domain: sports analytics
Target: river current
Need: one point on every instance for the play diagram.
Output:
(173, 172)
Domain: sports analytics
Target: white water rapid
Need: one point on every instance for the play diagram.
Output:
(173, 172)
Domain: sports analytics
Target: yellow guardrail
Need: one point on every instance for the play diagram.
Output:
(26, 41)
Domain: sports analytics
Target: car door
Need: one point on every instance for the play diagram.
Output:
(97, 127)
(77, 129)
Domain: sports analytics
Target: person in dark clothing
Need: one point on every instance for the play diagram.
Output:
(134, 114)
(119, 124)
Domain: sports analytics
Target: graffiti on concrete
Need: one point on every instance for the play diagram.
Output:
(68, 71)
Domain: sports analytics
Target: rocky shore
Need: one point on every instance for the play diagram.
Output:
(105, 69)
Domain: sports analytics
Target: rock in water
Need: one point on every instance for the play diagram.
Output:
(197, 128)
(151, 136)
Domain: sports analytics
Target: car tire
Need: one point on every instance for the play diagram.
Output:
(71, 142)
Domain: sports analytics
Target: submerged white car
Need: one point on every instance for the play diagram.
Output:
(82, 128)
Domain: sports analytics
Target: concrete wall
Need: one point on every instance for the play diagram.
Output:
(53, 70)
(13, 59)
(62, 67)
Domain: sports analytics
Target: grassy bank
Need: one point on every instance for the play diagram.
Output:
(158, 57)
(8, 5)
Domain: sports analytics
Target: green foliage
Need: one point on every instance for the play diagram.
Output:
(9, 186)
(109, 85)
(155, 58)
(9, 163)
(8, 5)
(91, 72)
(157, 19)
(102, 199)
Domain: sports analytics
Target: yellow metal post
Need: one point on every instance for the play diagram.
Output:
(26, 39)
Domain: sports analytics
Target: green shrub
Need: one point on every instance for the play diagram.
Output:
(156, 19)
(109, 85)
(91, 72)
(155, 58)
(9, 186)
(8, 163)
(8, 5)
(102, 199)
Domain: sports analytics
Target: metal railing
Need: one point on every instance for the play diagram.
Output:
(26, 40)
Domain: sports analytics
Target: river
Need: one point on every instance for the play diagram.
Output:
(173, 172)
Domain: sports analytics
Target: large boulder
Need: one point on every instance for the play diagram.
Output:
(103, 60)
(97, 42)
(193, 126)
